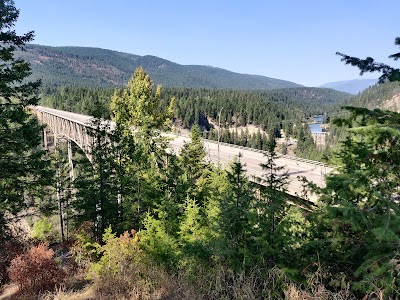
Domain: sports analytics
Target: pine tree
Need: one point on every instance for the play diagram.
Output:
(237, 217)
(142, 157)
(193, 166)
(23, 170)
(358, 220)
(272, 203)
(97, 193)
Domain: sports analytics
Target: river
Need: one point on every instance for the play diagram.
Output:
(316, 128)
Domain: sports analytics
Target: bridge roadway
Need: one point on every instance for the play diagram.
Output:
(312, 170)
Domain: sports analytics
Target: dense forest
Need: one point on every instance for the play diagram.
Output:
(237, 108)
(95, 67)
(137, 221)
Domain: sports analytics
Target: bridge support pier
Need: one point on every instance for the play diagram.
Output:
(45, 138)
(60, 198)
(70, 162)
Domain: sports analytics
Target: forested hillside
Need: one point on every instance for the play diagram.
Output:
(95, 67)
(383, 96)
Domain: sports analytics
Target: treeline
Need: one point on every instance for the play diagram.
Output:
(266, 109)
(78, 99)
(263, 108)
(376, 96)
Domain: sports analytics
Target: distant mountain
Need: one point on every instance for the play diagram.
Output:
(354, 86)
(84, 66)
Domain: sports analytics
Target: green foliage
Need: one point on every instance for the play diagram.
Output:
(85, 249)
(96, 200)
(43, 230)
(236, 218)
(193, 237)
(118, 254)
(85, 100)
(160, 246)
(138, 106)
(190, 227)
(285, 106)
(292, 235)
(193, 168)
(358, 220)
(24, 171)
(306, 147)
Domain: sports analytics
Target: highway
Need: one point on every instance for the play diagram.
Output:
(313, 171)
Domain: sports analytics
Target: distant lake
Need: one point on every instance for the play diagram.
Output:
(316, 128)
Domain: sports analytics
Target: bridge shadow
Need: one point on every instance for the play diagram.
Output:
(296, 172)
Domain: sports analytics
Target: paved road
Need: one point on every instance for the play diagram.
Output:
(313, 171)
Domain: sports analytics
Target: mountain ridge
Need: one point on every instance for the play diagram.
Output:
(353, 86)
(90, 66)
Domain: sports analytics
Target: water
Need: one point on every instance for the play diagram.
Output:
(316, 128)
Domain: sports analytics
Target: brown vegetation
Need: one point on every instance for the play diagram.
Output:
(35, 271)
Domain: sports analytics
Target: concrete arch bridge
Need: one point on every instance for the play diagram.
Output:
(76, 127)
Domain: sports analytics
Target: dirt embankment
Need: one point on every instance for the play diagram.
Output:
(393, 103)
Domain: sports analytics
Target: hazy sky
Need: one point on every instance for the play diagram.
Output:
(286, 39)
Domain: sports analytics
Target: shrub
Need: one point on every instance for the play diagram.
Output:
(8, 251)
(35, 270)
(43, 230)
(85, 250)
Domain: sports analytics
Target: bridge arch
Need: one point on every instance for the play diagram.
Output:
(67, 127)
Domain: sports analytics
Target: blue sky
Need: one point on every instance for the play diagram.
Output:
(285, 39)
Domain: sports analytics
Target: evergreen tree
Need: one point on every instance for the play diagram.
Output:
(271, 205)
(193, 166)
(140, 113)
(237, 217)
(23, 170)
(97, 193)
(357, 225)
(139, 106)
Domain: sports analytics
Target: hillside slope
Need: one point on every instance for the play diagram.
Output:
(100, 67)
(383, 96)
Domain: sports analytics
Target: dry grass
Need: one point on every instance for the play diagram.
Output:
(222, 285)
(87, 293)
(319, 293)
